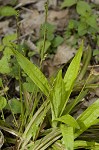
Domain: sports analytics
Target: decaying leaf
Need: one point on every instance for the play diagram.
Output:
(63, 55)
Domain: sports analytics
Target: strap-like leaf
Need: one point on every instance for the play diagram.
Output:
(33, 72)
(68, 136)
(73, 69)
(68, 120)
(88, 118)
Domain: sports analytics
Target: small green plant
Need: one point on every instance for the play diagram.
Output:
(62, 125)
(48, 42)
(86, 23)
(7, 11)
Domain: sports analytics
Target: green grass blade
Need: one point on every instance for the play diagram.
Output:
(33, 126)
(48, 140)
(68, 136)
(33, 72)
(58, 146)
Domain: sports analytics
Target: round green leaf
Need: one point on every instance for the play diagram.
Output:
(7, 11)
(57, 41)
(15, 105)
(3, 102)
(83, 8)
(68, 3)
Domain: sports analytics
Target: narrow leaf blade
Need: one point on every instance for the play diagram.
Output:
(58, 96)
(71, 75)
(88, 118)
(89, 115)
(68, 120)
(68, 136)
(73, 69)
(33, 72)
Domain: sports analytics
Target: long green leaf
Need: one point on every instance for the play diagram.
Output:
(68, 120)
(34, 124)
(58, 96)
(73, 69)
(87, 145)
(88, 117)
(90, 114)
(33, 72)
(68, 136)
(71, 75)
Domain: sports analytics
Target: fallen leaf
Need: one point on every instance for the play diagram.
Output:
(40, 4)
(31, 22)
(55, 17)
(4, 26)
(63, 55)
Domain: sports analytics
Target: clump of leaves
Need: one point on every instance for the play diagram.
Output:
(48, 41)
(86, 23)
(62, 125)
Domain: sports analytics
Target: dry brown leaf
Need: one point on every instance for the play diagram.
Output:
(49, 69)
(31, 22)
(53, 15)
(40, 4)
(4, 27)
(56, 17)
(63, 55)
(25, 2)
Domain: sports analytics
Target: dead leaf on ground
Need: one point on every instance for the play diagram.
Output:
(4, 27)
(63, 55)
(33, 20)
(25, 2)
(40, 4)
(58, 18)
(49, 69)
(30, 22)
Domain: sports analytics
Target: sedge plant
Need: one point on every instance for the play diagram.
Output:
(45, 120)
